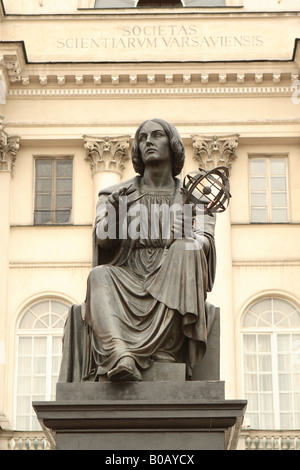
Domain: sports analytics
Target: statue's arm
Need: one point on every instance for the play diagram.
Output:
(107, 222)
(204, 231)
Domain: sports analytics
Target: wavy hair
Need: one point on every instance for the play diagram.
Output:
(176, 146)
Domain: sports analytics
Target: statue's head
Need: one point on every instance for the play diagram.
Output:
(176, 147)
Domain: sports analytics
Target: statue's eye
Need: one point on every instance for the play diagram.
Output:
(142, 137)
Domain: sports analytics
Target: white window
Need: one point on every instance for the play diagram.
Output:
(268, 190)
(39, 350)
(53, 191)
(271, 364)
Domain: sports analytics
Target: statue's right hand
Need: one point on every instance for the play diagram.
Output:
(114, 199)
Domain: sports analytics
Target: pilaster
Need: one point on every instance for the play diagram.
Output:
(107, 157)
(210, 152)
(8, 151)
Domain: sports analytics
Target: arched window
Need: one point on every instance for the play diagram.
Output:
(39, 349)
(271, 364)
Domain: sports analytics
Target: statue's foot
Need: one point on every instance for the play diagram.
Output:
(125, 371)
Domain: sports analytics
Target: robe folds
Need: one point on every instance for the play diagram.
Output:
(144, 298)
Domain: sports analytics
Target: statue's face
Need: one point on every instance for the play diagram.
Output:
(154, 143)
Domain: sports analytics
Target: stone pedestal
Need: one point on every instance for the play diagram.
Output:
(169, 415)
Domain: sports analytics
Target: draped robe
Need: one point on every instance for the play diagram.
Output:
(144, 298)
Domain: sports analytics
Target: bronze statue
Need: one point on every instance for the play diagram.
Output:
(146, 294)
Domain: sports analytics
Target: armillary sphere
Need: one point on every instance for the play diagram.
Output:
(211, 189)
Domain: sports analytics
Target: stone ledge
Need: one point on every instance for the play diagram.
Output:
(154, 392)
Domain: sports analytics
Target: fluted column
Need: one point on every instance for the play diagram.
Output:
(9, 146)
(107, 157)
(211, 152)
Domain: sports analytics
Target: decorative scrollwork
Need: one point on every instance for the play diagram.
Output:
(108, 153)
(9, 146)
(214, 151)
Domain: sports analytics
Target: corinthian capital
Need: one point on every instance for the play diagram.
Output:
(108, 153)
(215, 151)
(9, 146)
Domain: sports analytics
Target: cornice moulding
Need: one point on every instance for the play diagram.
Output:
(127, 92)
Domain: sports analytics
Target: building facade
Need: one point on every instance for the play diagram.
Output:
(76, 80)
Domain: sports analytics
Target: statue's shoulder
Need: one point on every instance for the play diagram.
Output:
(116, 187)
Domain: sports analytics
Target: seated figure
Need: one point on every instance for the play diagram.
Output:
(146, 294)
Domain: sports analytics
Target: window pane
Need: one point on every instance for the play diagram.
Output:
(285, 384)
(27, 320)
(63, 217)
(64, 168)
(249, 343)
(258, 166)
(252, 401)
(44, 185)
(39, 386)
(251, 384)
(63, 201)
(43, 201)
(277, 166)
(265, 383)
(264, 343)
(266, 402)
(278, 183)
(284, 362)
(25, 346)
(250, 363)
(40, 346)
(39, 365)
(279, 215)
(24, 385)
(44, 168)
(64, 185)
(285, 401)
(286, 421)
(265, 319)
(24, 366)
(259, 199)
(279, 199)
(265, 362)
(258, 184)
(42, 217)
(259, 215)
(283, 343)
(254, 420)
(266, 421)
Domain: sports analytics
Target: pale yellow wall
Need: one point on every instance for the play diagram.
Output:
(253, 260)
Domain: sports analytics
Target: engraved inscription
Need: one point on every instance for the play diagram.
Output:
(161, 36)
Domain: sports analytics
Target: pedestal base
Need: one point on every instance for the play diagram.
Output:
(141, 416)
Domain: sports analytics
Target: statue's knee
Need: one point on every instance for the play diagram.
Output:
(188, 243)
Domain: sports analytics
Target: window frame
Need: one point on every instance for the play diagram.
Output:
(50, 334)
(53, 209)
(267, 157)
(273, 332)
